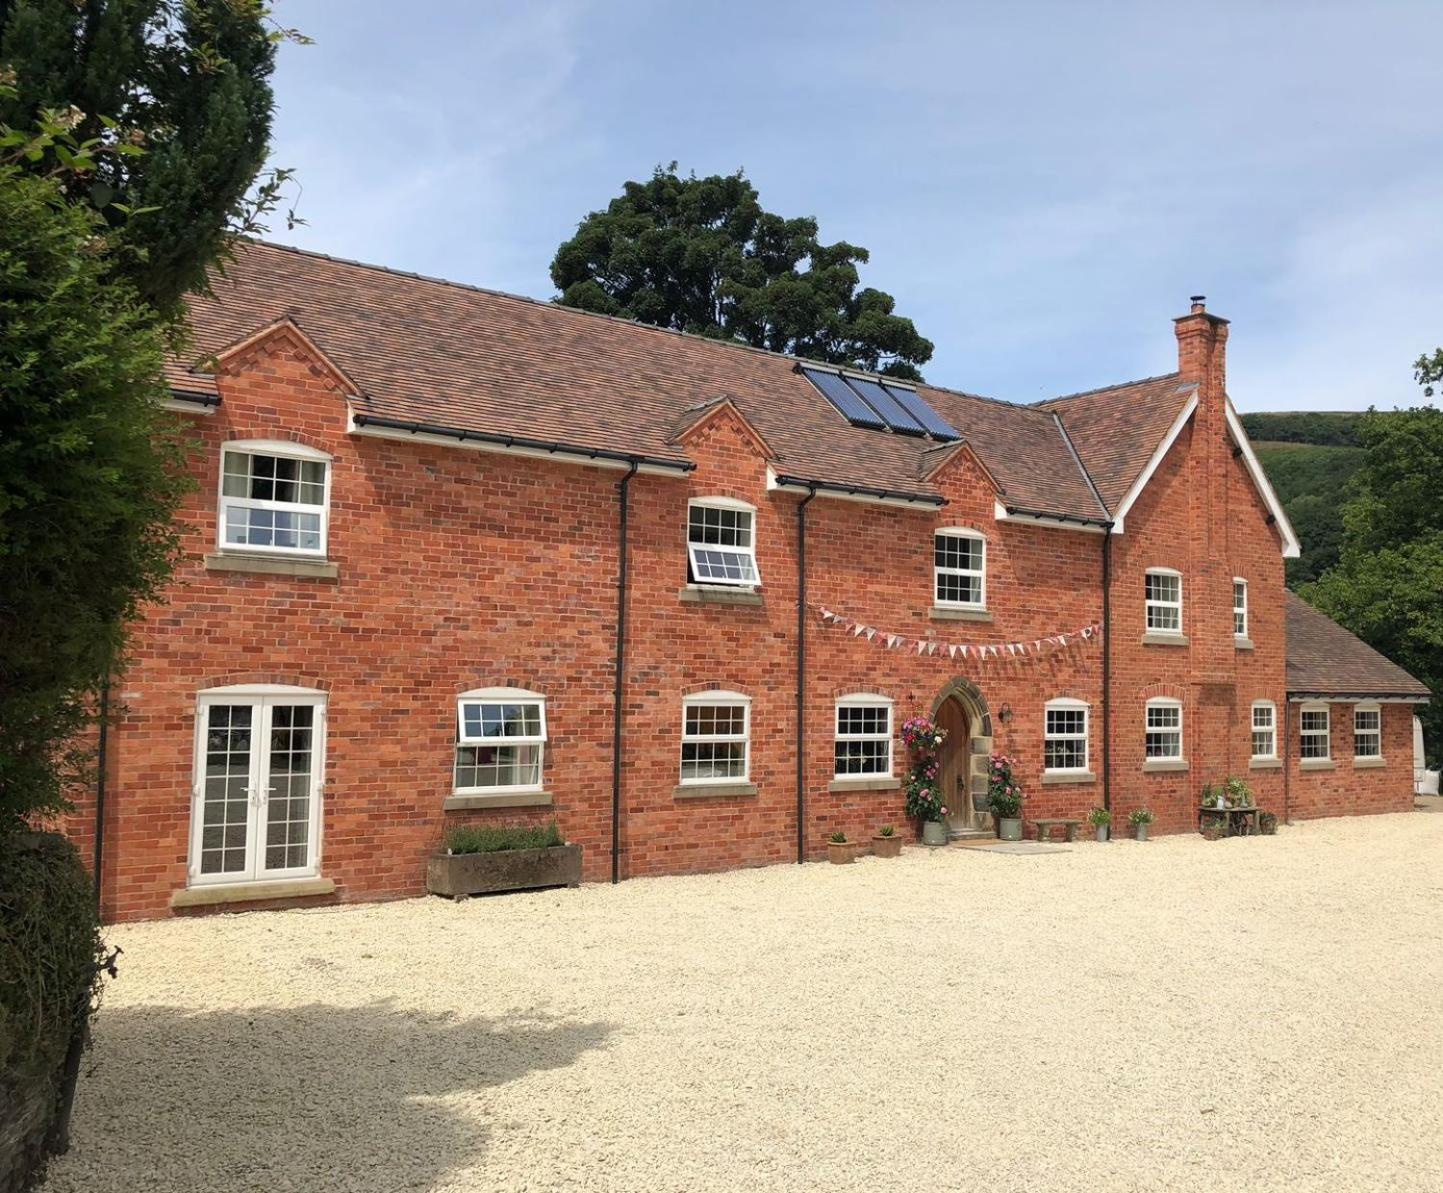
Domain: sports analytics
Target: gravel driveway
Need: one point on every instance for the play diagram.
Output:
(1247, 1014)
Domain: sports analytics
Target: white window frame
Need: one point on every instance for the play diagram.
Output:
(262, 698)
(1151, 603)
(938, 571)
(499, 696)
(1240, 611)
(1377, 710)
(1161, 702)
(863, 700)
(732, 505)
(1067, 704)
(1271, 729)
(284, 449)
(1326, 732)
(726, 699)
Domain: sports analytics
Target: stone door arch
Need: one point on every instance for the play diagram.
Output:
(972, 756)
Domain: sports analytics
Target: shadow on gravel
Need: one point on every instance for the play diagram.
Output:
(304, 1098)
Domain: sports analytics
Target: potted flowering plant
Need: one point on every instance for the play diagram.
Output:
(1004, 798)
(923, 737)
(1140, 818)
(1101, 820)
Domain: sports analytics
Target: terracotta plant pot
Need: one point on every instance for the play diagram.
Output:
(886, 846)
(934, 832)
(841, 853)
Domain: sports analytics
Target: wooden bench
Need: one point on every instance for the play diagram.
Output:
(1045, 827)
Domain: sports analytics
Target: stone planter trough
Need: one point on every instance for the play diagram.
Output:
(457, 875)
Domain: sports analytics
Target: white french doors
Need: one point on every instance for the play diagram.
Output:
(255, 815)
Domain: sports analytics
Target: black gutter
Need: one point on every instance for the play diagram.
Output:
(802, 674)
(1287, 762)
(544, 445)
(816, 486)
(200, 399)
(1100, 523)
(623, 504)
(100, 783)
(1356, 697)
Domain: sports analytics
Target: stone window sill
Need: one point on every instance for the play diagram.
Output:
(859, 783)
(1265, 764)
(1050, 777)
(1161, 638)
(223, 561)
(713, 790)
(252, 892)
(702, 594)
(1317, 764)
(1164, 766)
(1368, 763)
(1242, 643)
(949, 613)
(499, 799)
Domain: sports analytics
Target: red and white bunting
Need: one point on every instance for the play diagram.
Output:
(930, 648)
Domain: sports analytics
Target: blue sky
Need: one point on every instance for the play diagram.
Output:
(1041, 185)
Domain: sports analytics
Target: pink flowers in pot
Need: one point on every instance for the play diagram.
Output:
(923, 737)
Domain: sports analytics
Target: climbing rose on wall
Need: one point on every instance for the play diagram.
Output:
(923, 738)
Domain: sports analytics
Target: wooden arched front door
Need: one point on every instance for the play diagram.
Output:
(954, 767)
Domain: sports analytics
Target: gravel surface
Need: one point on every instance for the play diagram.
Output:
(1246, 1014)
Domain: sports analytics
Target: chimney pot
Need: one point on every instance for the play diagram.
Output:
(1197, 301)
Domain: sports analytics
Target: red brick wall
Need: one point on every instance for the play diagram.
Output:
(461, 569)
(1346, 788)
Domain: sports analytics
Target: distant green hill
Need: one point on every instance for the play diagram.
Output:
(1309, 457)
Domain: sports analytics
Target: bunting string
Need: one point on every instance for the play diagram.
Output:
(1029, 648)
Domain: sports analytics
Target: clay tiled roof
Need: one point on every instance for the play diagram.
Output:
(1324, 659)
(426, 351)
(1116, 430)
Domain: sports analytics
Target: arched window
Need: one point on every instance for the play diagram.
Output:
(274, 498)
(500, 741)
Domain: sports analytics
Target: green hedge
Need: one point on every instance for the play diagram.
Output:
(497, 840)
(50, 951)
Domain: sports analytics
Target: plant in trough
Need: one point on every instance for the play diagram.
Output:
(838, 838)
(887, 830)
(473, 839)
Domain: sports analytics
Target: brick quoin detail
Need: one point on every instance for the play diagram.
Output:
(461, 569)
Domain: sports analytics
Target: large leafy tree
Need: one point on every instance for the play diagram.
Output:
(1388, 585)
(181, 88)
(701, 255)
(88, 480)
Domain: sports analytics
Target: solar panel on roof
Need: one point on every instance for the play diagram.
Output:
(845, 399)
(918, 407)
(887, 406)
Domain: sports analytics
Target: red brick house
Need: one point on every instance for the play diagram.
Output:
(456, 556)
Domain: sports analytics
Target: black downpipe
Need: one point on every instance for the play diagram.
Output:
(802, 673)
(1287, 760)
(1107, 668)
(622, 494)
(100, 783)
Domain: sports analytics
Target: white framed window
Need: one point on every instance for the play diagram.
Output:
(715, 738)
(863, 747)
(259, 758)
(1164, 729)
(959, 568)
(1240, 607)
(721, 542)
(1162, 593)
(500, 741)
(1064, 736)
(1367, 731)
(1265, 731)
(1313, 732)
(274, 498)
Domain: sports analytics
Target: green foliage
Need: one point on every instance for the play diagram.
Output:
(1140, 816)
(1428, 370)
(1312, 482)
(838, 838)
(89, 482)
(1267, 823)
(1099, 817)
(499, 840)
(1004, 790)
(50, 953)
(177, 95)
(700, 255)
(887, 830)
(1237, 792)
(1388, 585)
(1328, 428)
